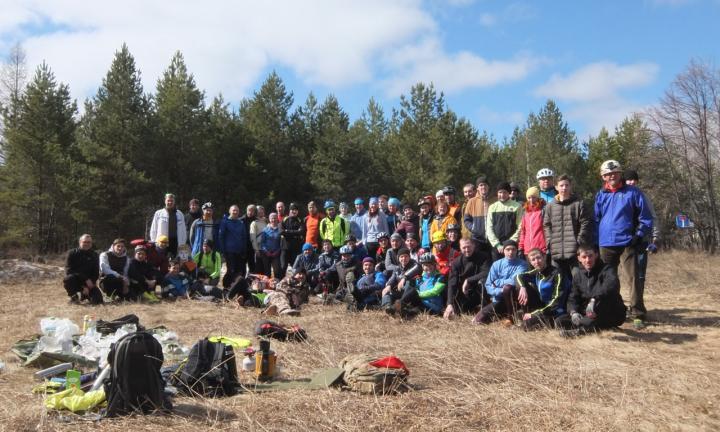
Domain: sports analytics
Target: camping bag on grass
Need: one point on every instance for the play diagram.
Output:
(367, 374)
(271, 329)
(135, 384)
(210, 370)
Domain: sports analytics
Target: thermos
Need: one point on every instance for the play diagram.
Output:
(265, 362)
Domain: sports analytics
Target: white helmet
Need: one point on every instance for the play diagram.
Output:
(610, 166)
(545, 172)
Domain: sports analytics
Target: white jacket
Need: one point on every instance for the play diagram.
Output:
(160, 226)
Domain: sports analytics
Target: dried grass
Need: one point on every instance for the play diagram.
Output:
(464, 377)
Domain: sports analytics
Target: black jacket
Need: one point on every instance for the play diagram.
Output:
(474, 269)
(602, 284)
(83, 263)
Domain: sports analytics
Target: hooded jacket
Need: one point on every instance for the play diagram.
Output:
(112, 264)
(475, 218)
(531, 228)
(566, 224)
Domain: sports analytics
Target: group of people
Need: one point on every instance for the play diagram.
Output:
(540, 259)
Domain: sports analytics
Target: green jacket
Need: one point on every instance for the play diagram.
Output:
(211, 263)
(335, 231)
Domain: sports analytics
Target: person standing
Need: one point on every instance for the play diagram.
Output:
(232, 244)
(293, 237)
(475, 215)
(649, 243)
(270, 247)
(169, 221)
(193, 213)
(333, 227)
(622, 219)
(546, 181)
(248, 218)
(205, 228)
(312, 225)
(373, 223)
(256, 229)
(567, 223)
(503, 221)
(81, 273)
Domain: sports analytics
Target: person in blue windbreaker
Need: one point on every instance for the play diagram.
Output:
(622, 219)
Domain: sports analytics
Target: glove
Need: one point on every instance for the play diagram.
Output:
(590, 309)
(575, 319)
(377, 267)
(652, 248)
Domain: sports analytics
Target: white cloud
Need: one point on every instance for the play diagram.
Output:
(427, 62)
(227, 45)
(597, 81)
(593, 93)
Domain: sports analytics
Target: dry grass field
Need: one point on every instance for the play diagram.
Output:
(464, 377)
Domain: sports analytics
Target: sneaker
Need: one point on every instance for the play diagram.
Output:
(150, 297)
(639, 324)
(290, 312)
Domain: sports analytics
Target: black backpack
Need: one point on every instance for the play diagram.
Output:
(210, 370)
(135, 384)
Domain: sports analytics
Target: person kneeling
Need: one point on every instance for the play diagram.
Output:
(500, 285)
(426, 293)
(369, 288)
(595, 302)
(539, 292)
(143, 277)
(176, 283)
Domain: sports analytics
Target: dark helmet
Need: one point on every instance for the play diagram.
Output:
(350, 237)
(452, 227)
(346, 250)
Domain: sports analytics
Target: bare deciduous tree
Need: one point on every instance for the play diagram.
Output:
(686, 128)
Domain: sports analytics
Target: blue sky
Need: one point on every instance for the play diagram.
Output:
(496, 61)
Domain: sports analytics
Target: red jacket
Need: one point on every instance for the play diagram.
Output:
(531, 228)
(445, 258)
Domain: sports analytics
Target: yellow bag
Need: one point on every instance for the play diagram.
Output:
(75, 400)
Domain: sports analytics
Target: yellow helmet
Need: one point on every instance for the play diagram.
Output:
(438, 236)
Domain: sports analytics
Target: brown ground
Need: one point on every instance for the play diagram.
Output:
(466, 378)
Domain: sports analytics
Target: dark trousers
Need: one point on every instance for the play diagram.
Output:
(287, 257)
(272, 263)
(111, 285)
(251, 259)
(235, 266)
(625, 259)
(502, 308)
(495, 255)
(411, 297)
(75, 283)
(470, 301)
(240, 287)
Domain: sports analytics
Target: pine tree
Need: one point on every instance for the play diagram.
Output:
(38, 144)
(180, 120)
(332, 161)
(115, 140)
(265, 117)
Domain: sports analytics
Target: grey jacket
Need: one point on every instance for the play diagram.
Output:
(567, 224)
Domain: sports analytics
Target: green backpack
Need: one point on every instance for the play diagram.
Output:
(362, 376)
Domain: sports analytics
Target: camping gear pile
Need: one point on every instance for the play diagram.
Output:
(117, 367)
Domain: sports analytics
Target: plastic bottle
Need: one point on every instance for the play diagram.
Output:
(52, 371)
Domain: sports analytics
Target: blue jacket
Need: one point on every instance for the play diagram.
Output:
(233, 237)
(620, 215)
(356, 223)
(503, 272)
(430, 288)
(548, 195)
(375, 281)
(197, 234)
(270, 240)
